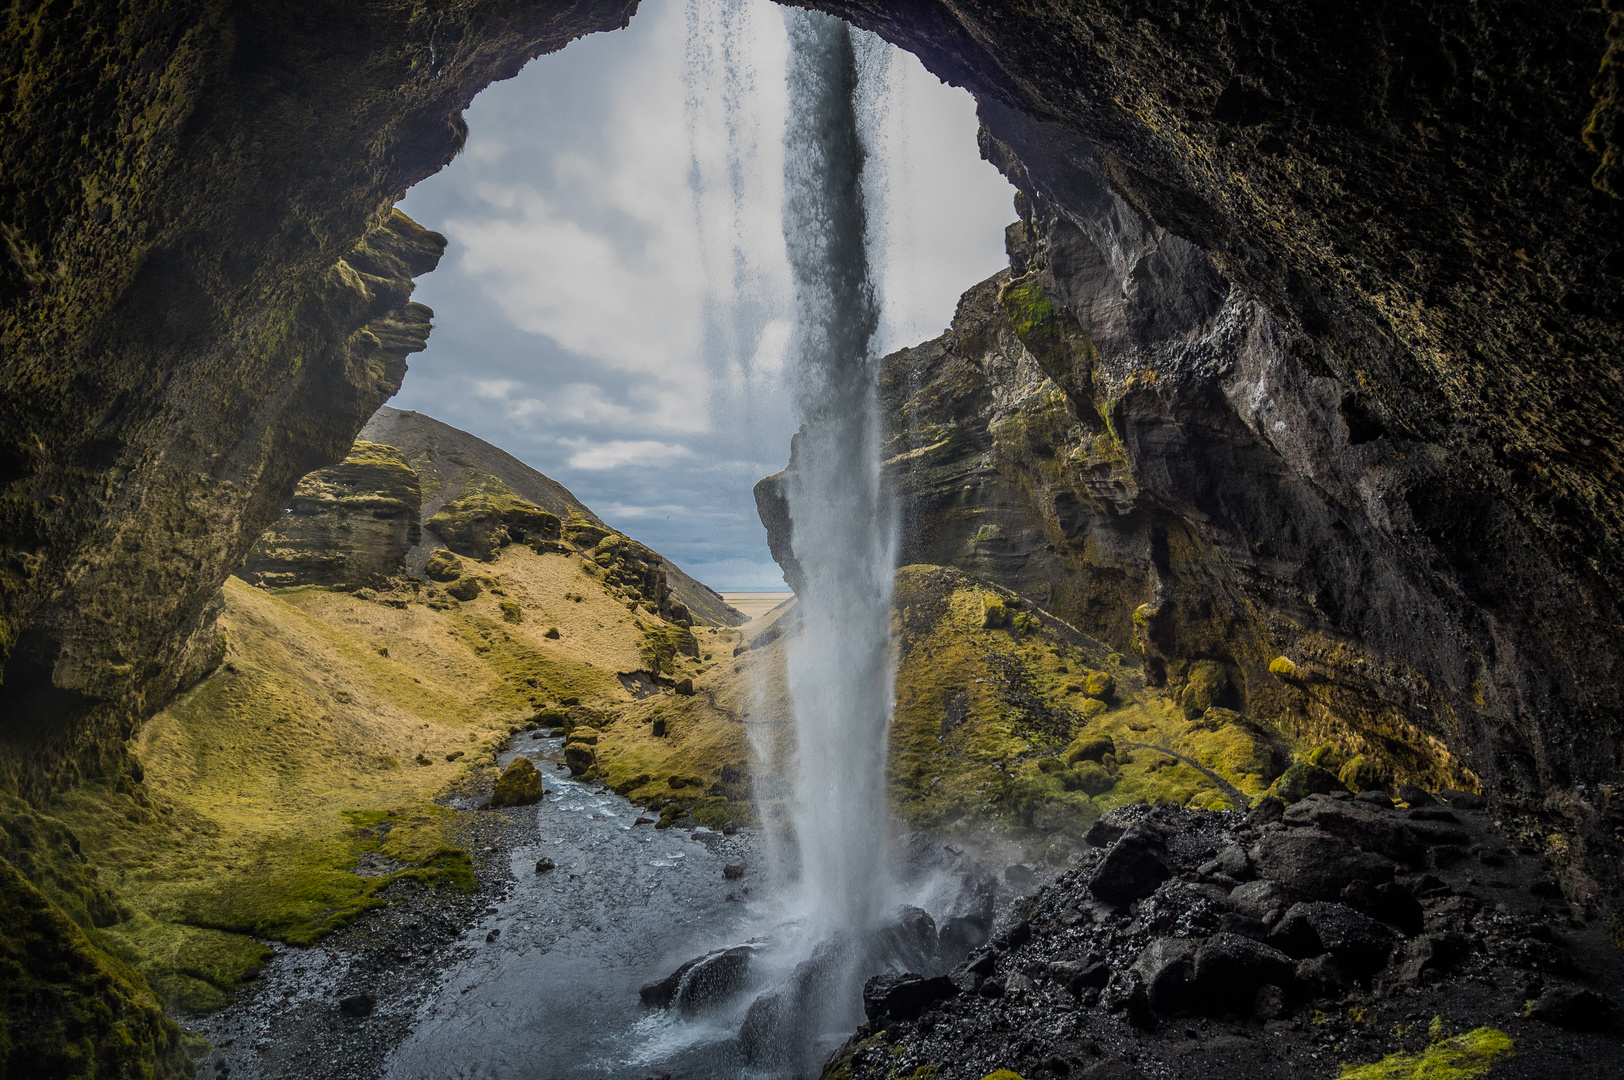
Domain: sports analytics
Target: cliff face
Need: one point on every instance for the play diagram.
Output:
(203, 294)
(351, 524)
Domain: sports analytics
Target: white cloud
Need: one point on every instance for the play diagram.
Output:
(619, 453)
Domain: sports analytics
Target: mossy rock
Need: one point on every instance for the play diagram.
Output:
(1023, 622)
(464, 588)
(583, 736)
(1093, 707)
(511, 612)
(1328, 756)
(585, 535)
(520, 784)
(685, 687)
(1363, 773)
(443, 566)
(1100, 685)
(994, 614)
(1283, 667)
(1462, 1057)
(1303, 780)
(1092, 778)
(1207, 684)
(579, 757)
(488, 517)
(1217, 718)
(1090, 748)
(1051, 765)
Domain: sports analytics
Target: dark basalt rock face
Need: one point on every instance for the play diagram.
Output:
(1183, 983)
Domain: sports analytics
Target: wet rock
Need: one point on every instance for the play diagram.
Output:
(1463, 800)
(579, 757)
(1019, 876)
(544, 864)
(907, 941)
(1079, 975)
(904, 997)
(702, 983)
(1409, 793)
(1230, 968)
(958, 936)
(1425, 959)
(733, 871)
(519, 785)
(1316, 865)
(1133, 867)
(357, 1005)
(493, 935)
(1232, 863)
(1573, 1007)
(1360, 943)
(1323, 976)
(1166, 969)
(1261, 900)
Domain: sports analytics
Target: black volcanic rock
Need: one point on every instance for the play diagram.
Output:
(1133, 867)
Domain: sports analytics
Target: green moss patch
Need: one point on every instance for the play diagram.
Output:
(1460, 1058)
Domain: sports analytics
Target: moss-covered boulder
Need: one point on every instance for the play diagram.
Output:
(464, 588)
(1328, 756)
(1303, 780)
(579, 757)
(1364, 773)
(1100, 685)
(994, 615)
(1092, 778)
(487, 517)
(1090, 747)
(519, 785)
(1207, 684)
(443, 566)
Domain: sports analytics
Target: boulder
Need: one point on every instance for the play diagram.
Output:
(1423, 959)
(1316, 865)
(544, 864)
(1079, 975)
(443, 566)
(579, 757)
(1404, 837)
(1133, 867)
(1089, 777)
(904, 997)
(702, 983)
(1391, 903)
(1360, 943)
(519, 785)
(1324, 976)
(1302, 780)
(1261, 900)
(464, 588)
(733, 871)
(1166, 969)
(1570, 1006)
(1230, 969)
(1100, 684)
(1089, 748)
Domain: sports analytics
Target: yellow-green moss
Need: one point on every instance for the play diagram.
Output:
(1460, 1058)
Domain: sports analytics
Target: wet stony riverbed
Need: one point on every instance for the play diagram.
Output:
(536, 975)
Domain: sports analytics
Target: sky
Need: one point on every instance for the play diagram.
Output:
(613, 304)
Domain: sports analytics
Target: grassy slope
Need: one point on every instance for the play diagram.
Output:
(334, 714)
(285, 790)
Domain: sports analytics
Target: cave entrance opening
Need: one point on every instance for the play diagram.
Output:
(671, 248)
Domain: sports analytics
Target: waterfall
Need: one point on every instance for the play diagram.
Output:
(840, 666)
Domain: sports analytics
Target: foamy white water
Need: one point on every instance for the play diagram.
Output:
(840, 666)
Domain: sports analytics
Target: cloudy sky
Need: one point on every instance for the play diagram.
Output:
(612, 308)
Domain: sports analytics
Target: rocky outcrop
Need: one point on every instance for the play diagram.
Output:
(477, 498)
(351, 524)
(1242, 956)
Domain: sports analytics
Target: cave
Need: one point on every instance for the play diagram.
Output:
(1354, 397)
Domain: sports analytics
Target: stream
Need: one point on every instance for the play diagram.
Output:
(536, 976)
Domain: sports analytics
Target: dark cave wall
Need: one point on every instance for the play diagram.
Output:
(1418, 196)
(204, 293)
